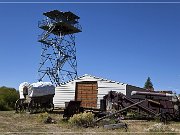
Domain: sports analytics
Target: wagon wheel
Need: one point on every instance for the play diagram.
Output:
(49, 107)
(32, 107)
(164, 118)
(19, 106)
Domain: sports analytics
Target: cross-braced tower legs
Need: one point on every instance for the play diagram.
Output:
(58, 57)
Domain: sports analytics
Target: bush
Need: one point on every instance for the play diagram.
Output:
(82, 119)
(8, 97)
(3, 105)
(42, 117)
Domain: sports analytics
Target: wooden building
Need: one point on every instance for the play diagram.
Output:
(89, 89)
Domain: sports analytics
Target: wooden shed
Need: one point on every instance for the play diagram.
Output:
(89, 90)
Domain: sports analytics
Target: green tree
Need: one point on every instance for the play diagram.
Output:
(148, 84)
(8, 97)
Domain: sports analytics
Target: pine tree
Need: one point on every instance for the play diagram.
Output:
(148, 84)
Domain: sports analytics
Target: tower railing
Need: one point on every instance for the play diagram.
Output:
(47, 22)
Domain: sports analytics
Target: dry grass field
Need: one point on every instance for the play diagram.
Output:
(24, 123)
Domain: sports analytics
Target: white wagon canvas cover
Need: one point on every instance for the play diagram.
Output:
(37, 89)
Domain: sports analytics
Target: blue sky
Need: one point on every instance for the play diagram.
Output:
(122, 42)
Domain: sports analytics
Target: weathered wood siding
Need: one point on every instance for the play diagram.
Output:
(86, 92)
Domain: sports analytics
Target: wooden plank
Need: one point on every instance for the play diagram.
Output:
(79, 90)
(86, 96)
(88, 101)
(87, 93)
(82, 90)
(88, 85)
(92, 102)
(88, 105)
(86, 88)
(82, 103)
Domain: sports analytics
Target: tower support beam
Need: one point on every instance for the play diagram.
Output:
(58, 57)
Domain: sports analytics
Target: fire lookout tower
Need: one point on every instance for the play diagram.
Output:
(58, 56)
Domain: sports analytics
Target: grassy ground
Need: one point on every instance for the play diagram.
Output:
(24, 123)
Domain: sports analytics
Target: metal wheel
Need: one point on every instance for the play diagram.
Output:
(32, 107)
(19, 106)
(50, 107)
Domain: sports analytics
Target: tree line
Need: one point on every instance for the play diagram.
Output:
(8, 97)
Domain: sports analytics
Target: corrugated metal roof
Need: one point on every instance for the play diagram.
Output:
(95, 77)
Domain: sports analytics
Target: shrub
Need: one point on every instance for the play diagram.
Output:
(42, 117)
(45, 118)
(3, 105)
(82, 119)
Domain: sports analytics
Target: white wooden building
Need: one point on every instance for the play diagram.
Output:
(89, 89)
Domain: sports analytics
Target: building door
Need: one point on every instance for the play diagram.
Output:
(86, 92)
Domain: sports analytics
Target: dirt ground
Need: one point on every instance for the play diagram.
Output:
(24, 123)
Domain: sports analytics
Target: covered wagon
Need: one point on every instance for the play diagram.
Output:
(35, 97)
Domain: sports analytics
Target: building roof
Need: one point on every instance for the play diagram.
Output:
(87, 76)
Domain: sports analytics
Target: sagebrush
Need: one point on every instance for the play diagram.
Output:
(42, 117)
(82, 119)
